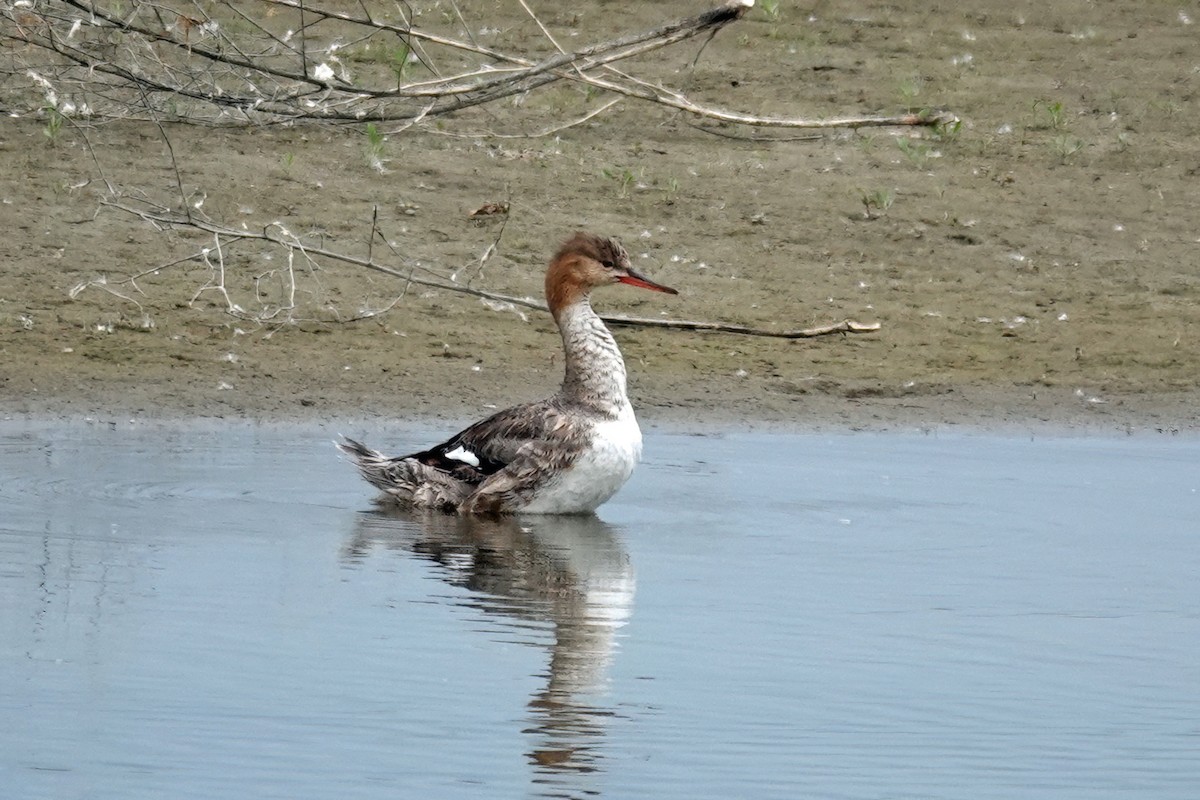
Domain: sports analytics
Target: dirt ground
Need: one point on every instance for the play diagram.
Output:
(1041, 265)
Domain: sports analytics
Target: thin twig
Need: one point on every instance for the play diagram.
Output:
(291, 242)
(845, 326)
(806, 137)
(374, 230)
(463, 21)
(82, 131)
(183, 201)
(538, 134)
(219, 272)
(253, 78)
(544, 29)
(102, 284)
(494, 245)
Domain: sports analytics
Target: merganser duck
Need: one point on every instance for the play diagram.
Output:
(566, 454)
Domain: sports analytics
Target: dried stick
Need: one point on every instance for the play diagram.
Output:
(537, 134)
(165, 218)
(259, 80)
(216, 279)
(291, 242)
(102, 283)
(845, 326)
(659, 94)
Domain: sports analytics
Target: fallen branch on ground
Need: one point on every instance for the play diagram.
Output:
(162, 218)
(845, 326)
(226, 66)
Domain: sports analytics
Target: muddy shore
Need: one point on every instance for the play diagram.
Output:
(1036, 267)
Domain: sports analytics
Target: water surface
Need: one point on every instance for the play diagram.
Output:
(197, 612)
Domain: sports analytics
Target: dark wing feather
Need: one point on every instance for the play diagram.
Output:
(495, 441)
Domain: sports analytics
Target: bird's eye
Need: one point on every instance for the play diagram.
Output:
(608, 264)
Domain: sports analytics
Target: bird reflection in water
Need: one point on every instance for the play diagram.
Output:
(568, 571)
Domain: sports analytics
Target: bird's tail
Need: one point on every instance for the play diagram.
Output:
(384, 473)
(405, 481)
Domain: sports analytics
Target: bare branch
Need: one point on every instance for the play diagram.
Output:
(292, 243)
(845, 326)
(150, 58)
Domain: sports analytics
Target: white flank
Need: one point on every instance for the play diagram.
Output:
(464, 455)
(599, 471)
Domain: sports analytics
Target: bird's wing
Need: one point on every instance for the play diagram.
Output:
(490, 445)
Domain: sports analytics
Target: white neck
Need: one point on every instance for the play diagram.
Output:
(595, 375)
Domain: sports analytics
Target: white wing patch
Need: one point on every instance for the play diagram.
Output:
(464, 455)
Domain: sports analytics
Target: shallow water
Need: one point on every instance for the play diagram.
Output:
(198, 613)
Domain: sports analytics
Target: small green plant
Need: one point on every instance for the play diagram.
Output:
(1052, 115)
(1168, 108)
(375, 146)
(624, 178)
(400, 63)
(877, 202)
(670, 190)
(54, 123)
(287, 159)
(771, 10)
(1116, 101)
(1066, 147)
(909, 89)
(948, 131)
(917, 151)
